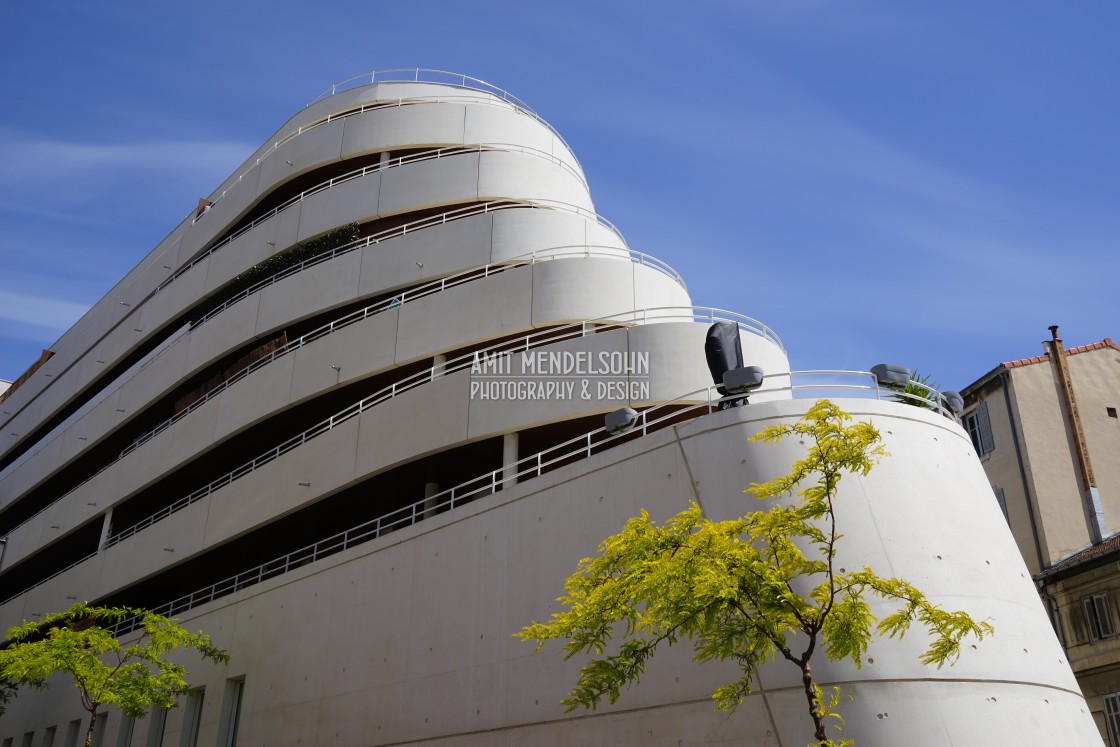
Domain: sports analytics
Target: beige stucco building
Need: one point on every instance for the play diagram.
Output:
(1052, 461)
(362, 459)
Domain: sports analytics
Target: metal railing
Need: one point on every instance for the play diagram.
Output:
(694, 404)
(439, 77)
(410, 75)
(397, 75)
(431, 155)
(398, 300)
(527, 342)
(451, 281)
(392, 233)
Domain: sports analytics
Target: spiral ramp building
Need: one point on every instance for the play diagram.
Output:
(355, 459)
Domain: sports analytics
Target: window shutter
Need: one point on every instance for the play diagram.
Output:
(1077, 623)
(1002, 502)
(1091, 618)
(1112, 715)
(985, 426)
(1104, 617)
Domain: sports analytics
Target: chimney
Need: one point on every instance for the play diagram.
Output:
(1091, 496)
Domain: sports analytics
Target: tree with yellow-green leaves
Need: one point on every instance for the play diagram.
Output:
(761, 587)
(80, 644)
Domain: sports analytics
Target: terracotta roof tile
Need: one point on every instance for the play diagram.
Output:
(1105, 343)
(1109, 544)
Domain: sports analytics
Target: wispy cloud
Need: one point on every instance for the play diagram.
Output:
(39, 311)
(28, 161)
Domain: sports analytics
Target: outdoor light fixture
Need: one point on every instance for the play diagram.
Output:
(888, 374)
(620, 421)
(742, 380)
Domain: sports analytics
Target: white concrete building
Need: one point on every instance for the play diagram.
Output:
(313, 463)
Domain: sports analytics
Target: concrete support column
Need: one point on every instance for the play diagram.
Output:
(509, 457)
(437, 364)
(106, 527)
(430, 489)
(386, 156)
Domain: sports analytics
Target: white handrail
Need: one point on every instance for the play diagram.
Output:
(451, 281)
(436, 286)
(706, 399)
(576, 330)
(391, 233)
(478, 85)
(430, 155)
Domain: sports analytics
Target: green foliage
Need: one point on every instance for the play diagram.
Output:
(918, 392)
(105, 672)
(729, 587)
(277, 263)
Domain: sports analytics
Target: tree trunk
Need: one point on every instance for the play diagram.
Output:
(92, 721)
(816, 710)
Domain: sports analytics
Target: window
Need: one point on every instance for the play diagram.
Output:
(192, 718)
(158, 722)
(1099, 617)
(231, 712)
(1112, 716)
(99, 729)
(73, 729)
(124, 736)
(980, 429)
(48, 736)
(28, 738)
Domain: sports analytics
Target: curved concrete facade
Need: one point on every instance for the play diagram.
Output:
(343, 474)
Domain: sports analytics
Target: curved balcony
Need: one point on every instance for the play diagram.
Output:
(704, 401)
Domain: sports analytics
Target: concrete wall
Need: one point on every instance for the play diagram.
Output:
(426, 614)
(397, 127)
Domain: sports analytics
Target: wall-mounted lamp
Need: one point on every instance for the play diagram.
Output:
(742, 380)
(955, 402)
(620, 421)
(887, 374)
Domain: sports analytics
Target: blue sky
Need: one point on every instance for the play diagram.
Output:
(931, 184)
